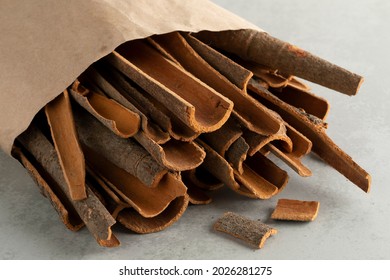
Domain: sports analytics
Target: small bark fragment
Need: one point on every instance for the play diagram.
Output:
(60, 118)
(266, 50)
(252, 232)
(296, 210)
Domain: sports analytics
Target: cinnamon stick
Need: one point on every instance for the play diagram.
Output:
(139, 224)
(236, 74)
(262, 177)
(148, 202)
(197, 105)
(113, 115)
(70, 155)
(269, 51)
(322, 144)
(237, 153)
(125, 153)
(195, 195)
(253, 232)
(95, 216)
(202, 179)
(146, 103)
(152, 130)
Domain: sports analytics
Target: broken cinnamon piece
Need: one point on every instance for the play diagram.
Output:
(224, 137)
(92, 212)
(252, 232)
(151, 130)
(218, 167)
(236, 74)
(305, 100)
(63, 207)
(113, 115)
(193, 102)
(63, 131)
(149, 202)
(202, 179)
(139, 224)
(261, 177)
(237, 154)
(125, 153)
(266, 50)
(323, 146)
(252, 114)
(196, 195)
(296, 210)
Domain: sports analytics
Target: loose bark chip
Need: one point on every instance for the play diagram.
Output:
(296, 210)
(254, 233)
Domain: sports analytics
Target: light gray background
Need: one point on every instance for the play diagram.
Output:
(350, 225)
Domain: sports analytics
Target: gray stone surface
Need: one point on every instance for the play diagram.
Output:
(350, 224)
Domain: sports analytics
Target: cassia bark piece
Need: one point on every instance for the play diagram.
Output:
(193, 102)
(237, 154)
(202, 179)
(196, 195)
(322, 144)
(60, 118)
(296, 210)
(261, 177)
(63, 207)
(146, 103)
(218, 167)
(253, 232)
(266, 50)
(236, 74)
(125, 153)
(251, 113)
(137, 223)
(152, 131)
(148, 202)
(224, 137)
(92, 212)
(305, 100)
(113, 115)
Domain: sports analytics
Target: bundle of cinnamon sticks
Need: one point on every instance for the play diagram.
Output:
(161, 121)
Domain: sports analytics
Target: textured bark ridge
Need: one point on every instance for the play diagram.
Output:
(254, 233)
